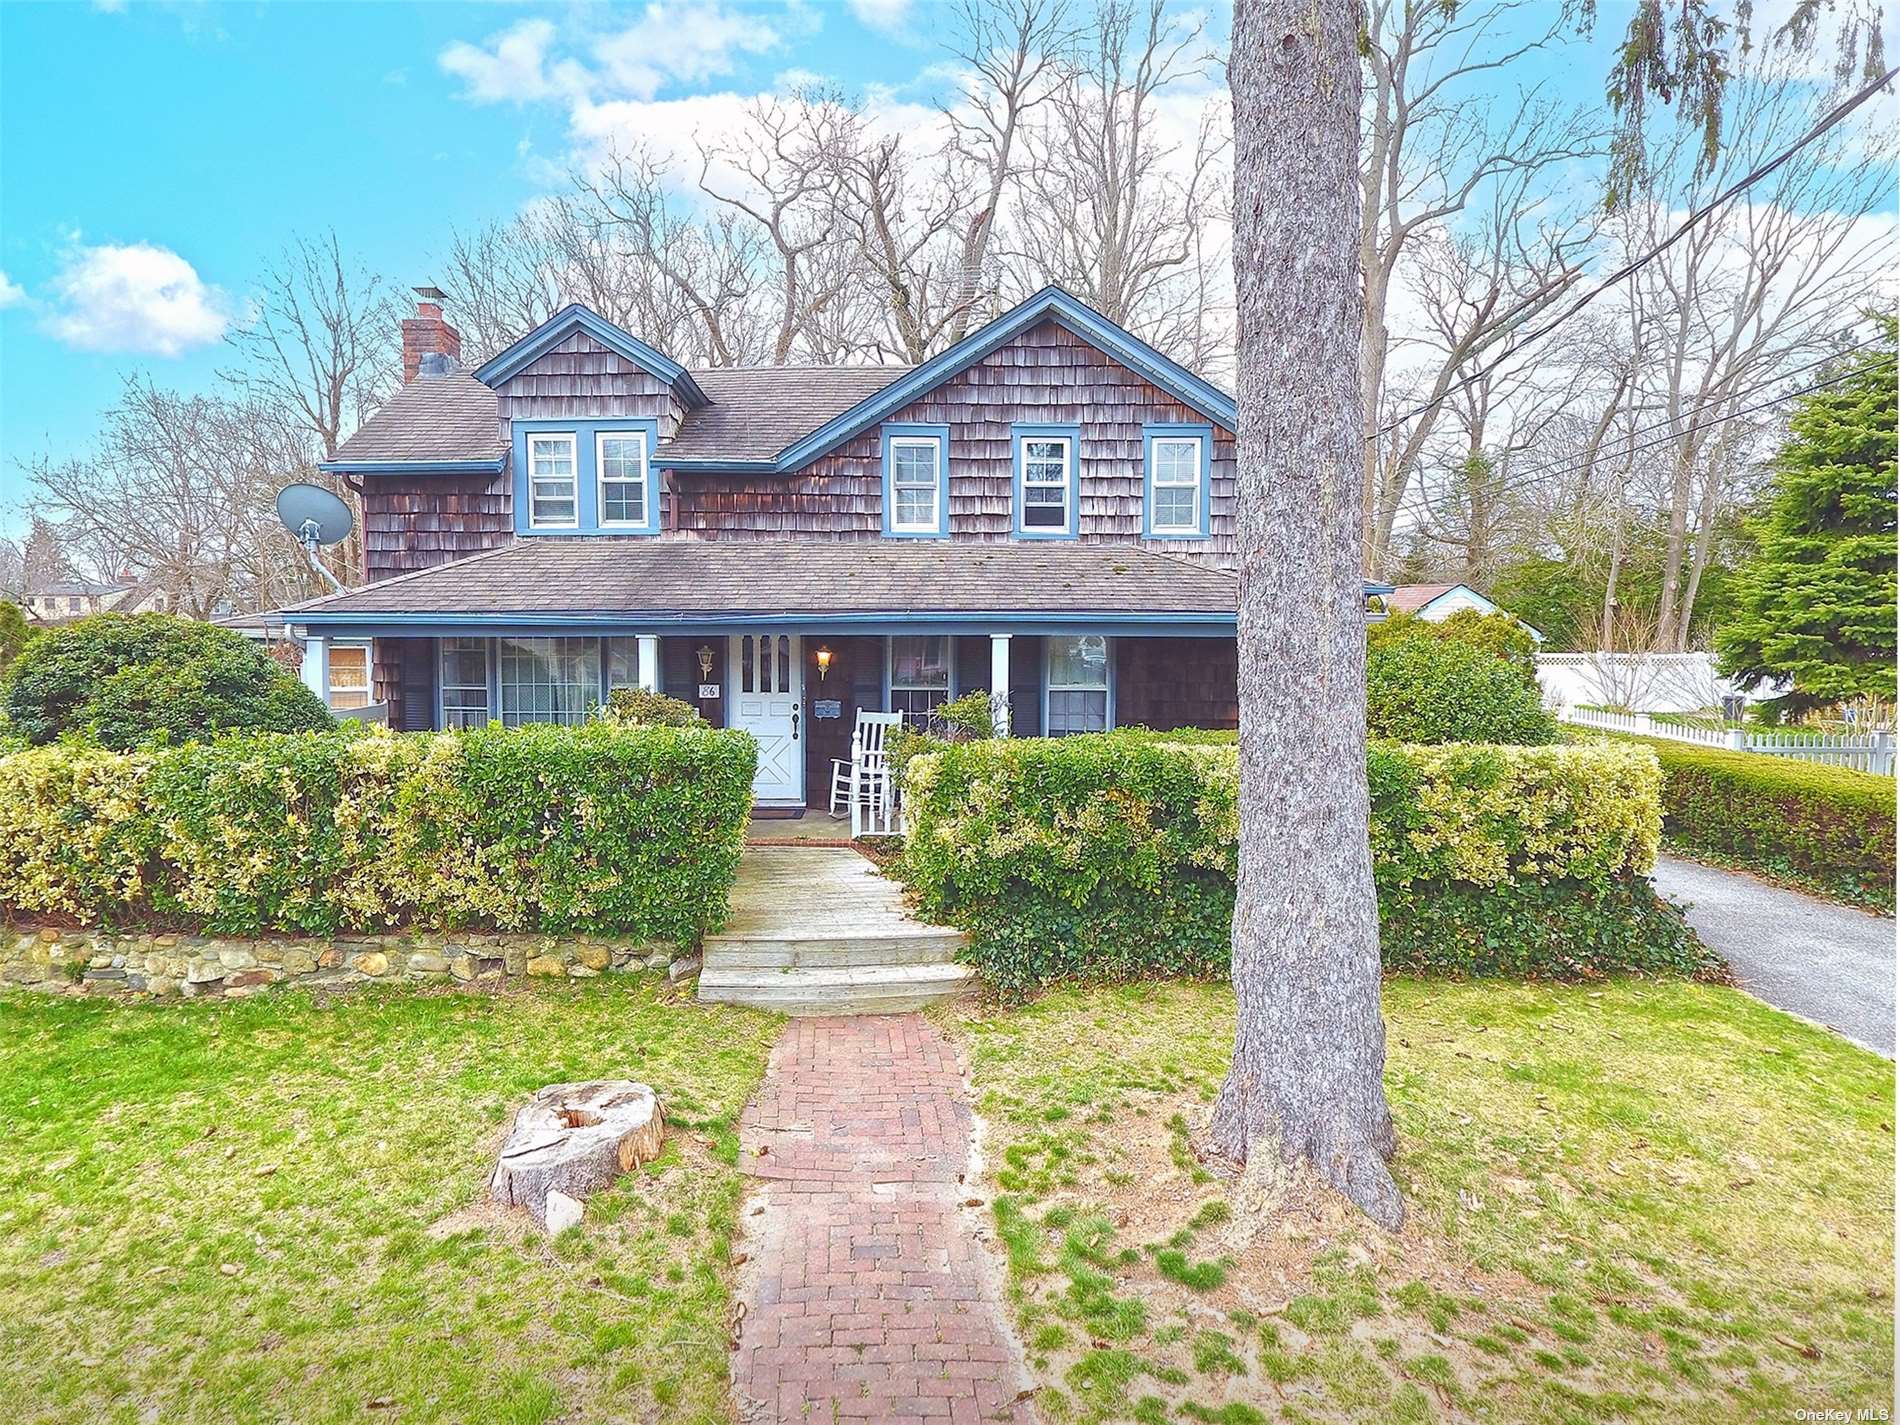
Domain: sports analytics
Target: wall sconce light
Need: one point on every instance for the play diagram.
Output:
(704, 654)
(824, 662)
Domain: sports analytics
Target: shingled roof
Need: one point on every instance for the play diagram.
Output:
(711, 580)
(756, 411)
(434, 418)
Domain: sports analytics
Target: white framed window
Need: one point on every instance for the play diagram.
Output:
(548, 679)
(464, 679)
(1048, 484)
(920, 673)
(620, 457)
(1078, 685)
(349, 675)
(1174, 475)
(916, 484)
(553, 487)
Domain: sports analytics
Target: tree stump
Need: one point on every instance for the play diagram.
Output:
(572, 1140)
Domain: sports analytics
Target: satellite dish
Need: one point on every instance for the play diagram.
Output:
(315, 518)
(313, 515)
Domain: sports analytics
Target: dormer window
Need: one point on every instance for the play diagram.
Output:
(621, 459)
(553, 489)
(586, 476)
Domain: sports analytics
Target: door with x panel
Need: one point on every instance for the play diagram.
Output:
(765, 678)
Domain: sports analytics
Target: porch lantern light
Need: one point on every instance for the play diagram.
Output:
(704, 654)
(824, 662)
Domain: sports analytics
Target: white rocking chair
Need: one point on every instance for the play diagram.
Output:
(862, 783)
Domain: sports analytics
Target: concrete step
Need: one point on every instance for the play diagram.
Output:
(922, 945)
(878, 989)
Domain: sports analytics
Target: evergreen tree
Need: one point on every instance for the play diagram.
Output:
(1815, 603)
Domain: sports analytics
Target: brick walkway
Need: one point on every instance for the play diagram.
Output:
(867, 1296)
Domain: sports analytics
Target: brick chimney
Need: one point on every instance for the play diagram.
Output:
(427, 332)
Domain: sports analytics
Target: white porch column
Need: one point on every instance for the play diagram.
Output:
(315, 671)
(999, 683)
(649, 673)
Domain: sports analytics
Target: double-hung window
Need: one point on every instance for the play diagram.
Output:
(553, 486)
(621, 459)
(548, 679)
(920, 673)
(914, 484)
(1078, 685)
(1045, 483)
(349, 675)
(916, 480)
(464, 682)
(1177, 468)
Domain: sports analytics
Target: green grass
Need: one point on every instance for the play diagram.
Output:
(310, 1148)
(1630, 1201)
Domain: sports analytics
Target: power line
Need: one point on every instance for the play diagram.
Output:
(1517, 481)
(1670, 425)
(1826, 122)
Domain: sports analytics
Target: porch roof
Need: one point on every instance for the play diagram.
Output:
(659, 582)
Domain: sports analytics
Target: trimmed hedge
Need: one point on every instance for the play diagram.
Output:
(1114, 856)
(596, 829)
(1436, 688)
(1824, 828)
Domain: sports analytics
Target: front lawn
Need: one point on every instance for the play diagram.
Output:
(274, 1210)
(1632, 1201)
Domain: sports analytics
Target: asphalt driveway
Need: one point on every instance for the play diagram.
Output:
(1822, 961)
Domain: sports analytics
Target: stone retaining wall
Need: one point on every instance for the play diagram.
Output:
(94, 962)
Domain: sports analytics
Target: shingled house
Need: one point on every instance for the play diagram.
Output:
(1047, 506)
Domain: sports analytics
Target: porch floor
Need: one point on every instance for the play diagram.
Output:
(816, 930)
(814, 828)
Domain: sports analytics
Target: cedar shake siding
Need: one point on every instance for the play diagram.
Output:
(415, 521)
(583, 380)
(1045, 376)
(1165, 683)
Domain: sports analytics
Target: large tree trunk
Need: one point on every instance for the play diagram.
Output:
(1309, 1046)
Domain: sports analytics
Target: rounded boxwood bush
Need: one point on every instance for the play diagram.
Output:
(125, 678)
(1446, 690)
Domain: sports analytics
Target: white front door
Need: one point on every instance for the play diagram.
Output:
(764, 690)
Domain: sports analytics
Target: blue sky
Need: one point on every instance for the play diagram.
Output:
(214, 133)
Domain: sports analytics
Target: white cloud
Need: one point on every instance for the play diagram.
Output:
(668, 43)
(11, 292)
(136, 298)
(890, 16)
(511, 65)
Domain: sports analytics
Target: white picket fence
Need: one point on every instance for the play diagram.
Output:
(1860, 751)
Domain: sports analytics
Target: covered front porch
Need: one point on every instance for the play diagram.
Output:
(798, 689)
(789, 640)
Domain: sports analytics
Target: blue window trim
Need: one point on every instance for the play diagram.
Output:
(586, 475)
(1109, 640)
(1162, 430)
(899, 430)
(1017, 435)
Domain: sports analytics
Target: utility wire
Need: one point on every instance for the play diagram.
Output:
(1628, 450)
(1670, 425)
(1826, 122)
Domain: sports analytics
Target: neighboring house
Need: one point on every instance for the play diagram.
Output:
(1047, 507)
(1438, 602)
(66, 599)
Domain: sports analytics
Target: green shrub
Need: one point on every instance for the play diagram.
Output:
(122, 679)
(598, 829)
(1822, 827)
(964, 719)
(1113, 857)
(1500, 635)
(636, 707)
(1430, 689)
